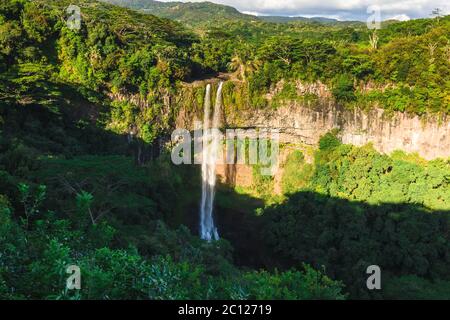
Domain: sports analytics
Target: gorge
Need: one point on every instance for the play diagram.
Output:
(305, 122)
(87, 176)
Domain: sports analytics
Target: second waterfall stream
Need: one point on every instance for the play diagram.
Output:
(211, 144)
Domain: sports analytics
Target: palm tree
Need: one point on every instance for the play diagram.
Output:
(243, 62)
(238, 65)
(373, 39)
(447, 50)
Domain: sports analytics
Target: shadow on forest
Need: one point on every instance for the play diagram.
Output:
(61, 119)
(343, 236)
(54, 136)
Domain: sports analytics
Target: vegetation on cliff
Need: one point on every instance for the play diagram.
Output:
(404, 67)
(355, 207)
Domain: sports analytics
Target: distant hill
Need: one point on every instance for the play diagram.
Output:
(282, 19)
(188, 13)
(198, 13)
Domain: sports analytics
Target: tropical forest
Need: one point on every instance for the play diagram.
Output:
(91, 93)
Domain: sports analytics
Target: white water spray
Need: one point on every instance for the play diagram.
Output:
(211, 140)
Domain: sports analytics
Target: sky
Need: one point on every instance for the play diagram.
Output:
(337, 9)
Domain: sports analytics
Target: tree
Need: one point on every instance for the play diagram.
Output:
(343, 89)
(285, 49)
(243, 62)
(31, 202)
(373, 39)
(437, 14)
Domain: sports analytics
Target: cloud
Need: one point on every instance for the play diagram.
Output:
(253, 13)
(342, 9)
(400, 17)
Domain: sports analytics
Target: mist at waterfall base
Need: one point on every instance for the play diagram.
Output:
(211, 141)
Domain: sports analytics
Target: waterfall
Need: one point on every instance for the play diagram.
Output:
(211, 141)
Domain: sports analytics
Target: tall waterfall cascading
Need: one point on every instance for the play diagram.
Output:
(211, 141)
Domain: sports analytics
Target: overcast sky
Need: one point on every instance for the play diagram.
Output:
(338, 9)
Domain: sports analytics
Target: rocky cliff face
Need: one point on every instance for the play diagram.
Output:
(429, 137)
(299, 122)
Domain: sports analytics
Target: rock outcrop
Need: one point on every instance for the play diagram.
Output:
(303, 122)
(429, 137)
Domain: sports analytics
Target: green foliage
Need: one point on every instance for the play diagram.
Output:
(329, 141)
(358, 208)
(195, 272)
(292, 285)
(118, 274)
(71, 194)
(410, 287)
(365, 175)
(117, 51)
(213, 53)
(343, 89)
(31, 201)
(189, 13)
(262, 184)
(347, 237)
(296, 173)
